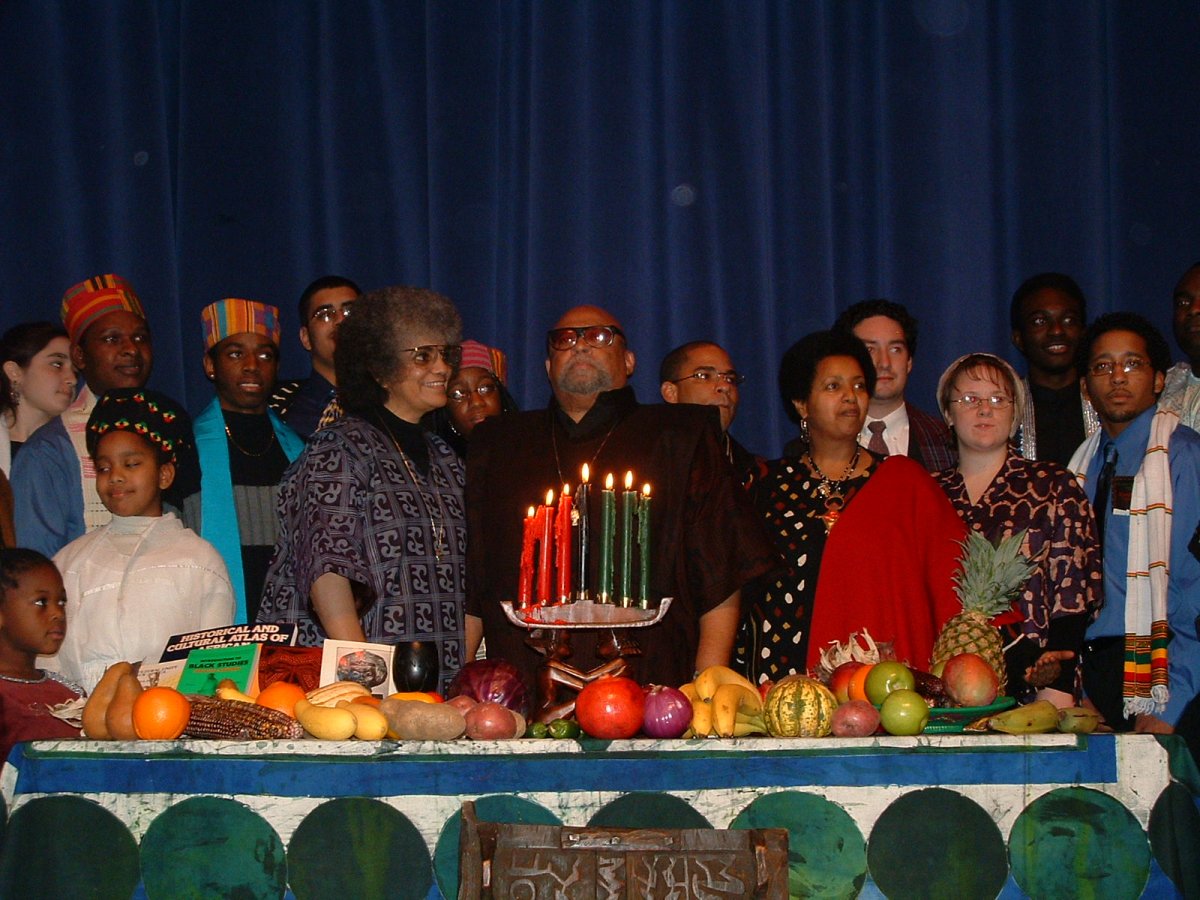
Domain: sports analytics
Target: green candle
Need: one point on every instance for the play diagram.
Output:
(629, 499)
(644, 548)
(604, 560)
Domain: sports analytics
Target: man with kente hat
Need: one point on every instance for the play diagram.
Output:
(53, 480)
(244, 447)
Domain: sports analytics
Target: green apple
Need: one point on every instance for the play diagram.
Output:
(904, 712)
(886, 677)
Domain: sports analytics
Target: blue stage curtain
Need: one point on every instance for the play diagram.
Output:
(737, 171)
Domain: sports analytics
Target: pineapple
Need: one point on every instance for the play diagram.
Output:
(990, 577)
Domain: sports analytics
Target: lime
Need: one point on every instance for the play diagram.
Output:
(537, 730)
(564, 728)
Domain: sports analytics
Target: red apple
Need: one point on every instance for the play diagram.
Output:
(969, 680)
(839, 681)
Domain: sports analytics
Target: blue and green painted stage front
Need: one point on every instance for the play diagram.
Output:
(937, 816)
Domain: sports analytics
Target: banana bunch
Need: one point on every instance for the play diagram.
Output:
(1033, 718)
(724, 704)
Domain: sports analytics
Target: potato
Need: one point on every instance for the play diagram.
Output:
(493, 722)
(412, 720)
(463, 703)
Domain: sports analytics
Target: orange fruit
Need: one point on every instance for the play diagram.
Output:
(281, 695)
(857, 687)
(160, 714)
(419, 696)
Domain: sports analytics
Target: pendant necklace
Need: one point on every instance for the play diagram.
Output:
(436, 523)
(243, 450)
(562, 479)
(833, 497)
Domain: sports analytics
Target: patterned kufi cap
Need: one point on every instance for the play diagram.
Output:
(233, 316)
(87, 301)
(154, 416)
(475, 354)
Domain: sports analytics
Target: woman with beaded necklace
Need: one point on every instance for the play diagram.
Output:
(871, 541)
(372, 535)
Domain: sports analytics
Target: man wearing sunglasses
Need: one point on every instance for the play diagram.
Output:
(706, 541)
(1141, 471)
(701, 372)
(309, 403)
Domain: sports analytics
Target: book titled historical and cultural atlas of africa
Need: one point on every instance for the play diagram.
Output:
(196, 662)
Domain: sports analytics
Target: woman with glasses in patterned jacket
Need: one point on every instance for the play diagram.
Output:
(372, 534)
(999, 493)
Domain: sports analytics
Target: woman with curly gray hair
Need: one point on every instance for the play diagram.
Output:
(372, 536)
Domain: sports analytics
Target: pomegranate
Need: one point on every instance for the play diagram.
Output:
(969, 680)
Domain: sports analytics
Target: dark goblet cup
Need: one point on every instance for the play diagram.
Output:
(415, 666)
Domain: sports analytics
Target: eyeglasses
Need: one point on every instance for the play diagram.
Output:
(425, 354)
(1106, 367)
(483, 389)
(594, 335)
(709, 375)
(329, 313)
(996, 401)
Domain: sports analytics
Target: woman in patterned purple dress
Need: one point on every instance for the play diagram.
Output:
(999, 493)
(372, 536)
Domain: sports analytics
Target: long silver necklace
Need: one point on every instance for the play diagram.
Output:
(562, 479)
(835, 501)
(436, 524)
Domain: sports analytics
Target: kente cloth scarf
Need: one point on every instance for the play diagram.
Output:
(1147, 567)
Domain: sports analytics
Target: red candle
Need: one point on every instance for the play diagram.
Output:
(545, 580)
(525, 582)
(562, 547)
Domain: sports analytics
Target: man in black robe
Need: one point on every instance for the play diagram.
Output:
(707, 541)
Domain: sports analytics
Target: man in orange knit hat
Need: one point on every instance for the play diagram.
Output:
(53, 480)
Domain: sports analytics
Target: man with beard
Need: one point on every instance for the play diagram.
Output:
(893, 425)
(701, 372)
(1182, 391)
(706, 540)
(53, 479)
(1141, 470)
(1048, 314)
(244, 447)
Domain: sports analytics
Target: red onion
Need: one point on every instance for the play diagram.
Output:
(668, 712)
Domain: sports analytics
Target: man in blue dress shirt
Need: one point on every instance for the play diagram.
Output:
(1148, 500)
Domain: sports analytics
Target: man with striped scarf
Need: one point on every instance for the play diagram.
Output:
(1141, 470)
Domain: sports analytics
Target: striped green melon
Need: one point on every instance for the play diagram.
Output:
(799, 706)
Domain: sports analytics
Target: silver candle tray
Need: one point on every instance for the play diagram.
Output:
(585, 614)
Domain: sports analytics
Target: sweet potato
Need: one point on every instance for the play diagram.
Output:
(412, 720)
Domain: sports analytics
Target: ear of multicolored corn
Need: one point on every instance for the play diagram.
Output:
(229, 720)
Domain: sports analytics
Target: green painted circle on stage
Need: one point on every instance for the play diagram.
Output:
(934, 843)
(358, 847)
(55, 845)
(1078, 842)
(827, 855)
(496, 808)
(1175, 835)
(212, 847)
(648, 810)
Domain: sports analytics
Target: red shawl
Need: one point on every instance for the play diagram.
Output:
(888, 565)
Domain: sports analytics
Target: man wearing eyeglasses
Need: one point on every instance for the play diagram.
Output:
(702, 373)
(1182, 391)
(1141, 470)
(310, 403)
(706, 541)
(893, 425)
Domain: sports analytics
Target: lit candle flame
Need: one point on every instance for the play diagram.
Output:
(566, 489)
(550, 497)
(629, 481)
(608, 481)
(585, 472)
(531, 513)
(646, 490)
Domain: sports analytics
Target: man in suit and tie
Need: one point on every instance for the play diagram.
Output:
(893, 425)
